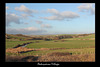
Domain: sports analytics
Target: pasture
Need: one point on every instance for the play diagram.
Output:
(77, 46)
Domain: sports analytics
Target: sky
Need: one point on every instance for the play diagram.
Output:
(50, 18)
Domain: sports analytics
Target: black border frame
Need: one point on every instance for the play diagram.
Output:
(62, 64)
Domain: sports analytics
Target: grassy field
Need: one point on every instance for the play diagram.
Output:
(66, 44)
(77, 46)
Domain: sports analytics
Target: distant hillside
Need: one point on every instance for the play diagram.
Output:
(16, 36)
(44, 37)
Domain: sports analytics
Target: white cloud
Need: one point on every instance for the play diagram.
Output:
(25, 9)
(12, 18)
(29, 30)
(61, 15)
(7, 7)
(46, 26)
(69, 14)
(93, 11)
(51, 18)
(25, 16)
(86, 7)
(53, 11)
(26, 23)
(39, 22)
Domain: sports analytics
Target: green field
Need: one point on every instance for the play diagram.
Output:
(76, 46)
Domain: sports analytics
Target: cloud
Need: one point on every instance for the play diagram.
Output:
(39, 22)
(26, 23)
(60, 15)
(25, 16)
(12, 18)
(52, 18)
(86, 7)
(7, 7)
(46, 26)
(23, 8)
(29, 30)
(69, 14)
(53, 11)
(93, 11)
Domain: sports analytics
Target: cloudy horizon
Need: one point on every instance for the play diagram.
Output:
(50, 18)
